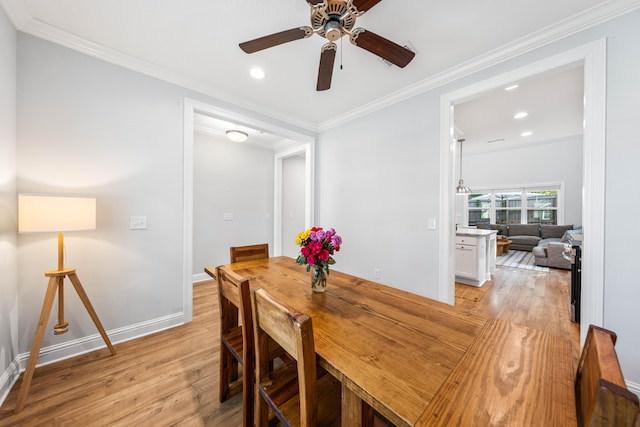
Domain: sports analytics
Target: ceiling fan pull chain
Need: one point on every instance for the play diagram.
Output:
(341, 53)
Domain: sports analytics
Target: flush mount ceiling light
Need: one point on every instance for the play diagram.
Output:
(520, 115)
(461, 188)
(527, 133)
(237, 135)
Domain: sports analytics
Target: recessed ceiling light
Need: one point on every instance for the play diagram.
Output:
(512, 87)
(526, 133)
(520, 115)
(257, 73)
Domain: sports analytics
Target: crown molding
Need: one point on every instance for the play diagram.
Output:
(567, 27)
(17, 11)
(21, 17)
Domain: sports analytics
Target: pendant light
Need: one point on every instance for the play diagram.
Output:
(461, 188)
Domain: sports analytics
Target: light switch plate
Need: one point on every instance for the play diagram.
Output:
(431, 224)
(138, 223)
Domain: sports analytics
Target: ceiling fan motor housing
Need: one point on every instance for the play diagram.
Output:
(331, 21)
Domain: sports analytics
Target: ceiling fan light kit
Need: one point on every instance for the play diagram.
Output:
(332, 19)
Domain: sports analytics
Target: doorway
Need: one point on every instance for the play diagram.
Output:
(593, 58)
(304, 145)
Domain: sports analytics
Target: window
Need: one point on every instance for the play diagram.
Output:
(542, 207)
(528, 205)
(479, 208)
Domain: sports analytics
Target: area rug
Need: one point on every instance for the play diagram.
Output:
(519, 259)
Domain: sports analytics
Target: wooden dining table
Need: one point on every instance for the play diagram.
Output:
(421, 362)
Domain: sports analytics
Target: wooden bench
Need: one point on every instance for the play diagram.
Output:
(602, 398)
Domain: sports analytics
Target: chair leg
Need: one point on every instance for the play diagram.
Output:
(226, 372)
(248, 380)
(262, 410)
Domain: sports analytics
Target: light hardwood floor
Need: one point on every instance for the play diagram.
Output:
(538, 300)
(171, 378)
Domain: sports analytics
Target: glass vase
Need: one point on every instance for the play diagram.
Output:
(318, 279)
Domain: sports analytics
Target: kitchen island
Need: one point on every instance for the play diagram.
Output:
(475, 255)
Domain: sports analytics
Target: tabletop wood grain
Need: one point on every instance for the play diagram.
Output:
(510, 376)
(397, 351)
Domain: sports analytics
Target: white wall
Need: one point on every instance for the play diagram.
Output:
(229, 178)
(293, 173)
(88, 127)
(8, 209)
(622, 287)
(543, 163)
(378, 183)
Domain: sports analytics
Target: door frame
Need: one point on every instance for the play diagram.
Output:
(309, 179)
(593, 58)
(306, 143)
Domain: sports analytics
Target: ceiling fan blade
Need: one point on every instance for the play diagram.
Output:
(385, 49)
(325, 70)
(314, 2)
(364, 5)
(276, 39)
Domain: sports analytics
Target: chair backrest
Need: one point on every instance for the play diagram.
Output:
(602, 398)
(248, 253)
(235, 303)
(293, 331)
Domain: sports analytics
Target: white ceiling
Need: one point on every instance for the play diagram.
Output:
(195, 44)
(553, 102)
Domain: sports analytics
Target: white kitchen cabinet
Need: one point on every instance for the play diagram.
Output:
(471, 262)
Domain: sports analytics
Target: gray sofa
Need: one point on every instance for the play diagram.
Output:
(549, 254)
(524, 237)
(545, 241)
(549, 251)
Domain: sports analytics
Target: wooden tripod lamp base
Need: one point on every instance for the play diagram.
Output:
(56, 284)
(49, 214)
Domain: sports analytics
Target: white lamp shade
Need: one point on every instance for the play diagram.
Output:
(39, 214)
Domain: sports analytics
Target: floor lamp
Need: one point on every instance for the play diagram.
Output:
(55, 214)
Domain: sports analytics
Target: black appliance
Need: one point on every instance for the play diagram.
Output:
(576, 282)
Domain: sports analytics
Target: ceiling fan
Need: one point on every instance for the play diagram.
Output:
(333, 19)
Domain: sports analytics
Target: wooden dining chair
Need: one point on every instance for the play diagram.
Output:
(236, 342)
(301, 393)
(602, 398)
(248, 253)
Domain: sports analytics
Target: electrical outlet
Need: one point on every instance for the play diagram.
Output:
(138, 223)
(376, 273)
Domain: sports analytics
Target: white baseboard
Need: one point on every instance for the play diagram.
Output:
(66, 350)
(201, 277)
(8, 379)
